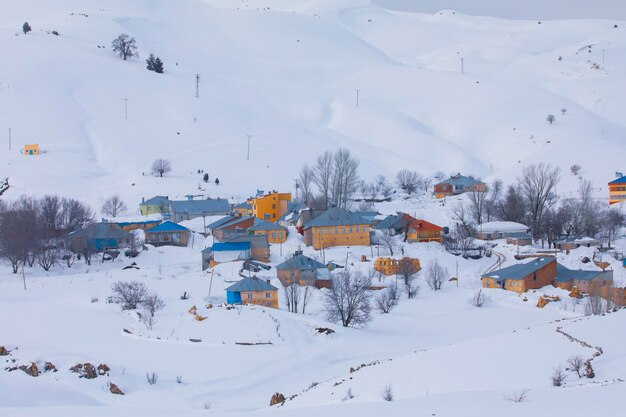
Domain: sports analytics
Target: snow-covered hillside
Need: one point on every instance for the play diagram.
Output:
(287, 72)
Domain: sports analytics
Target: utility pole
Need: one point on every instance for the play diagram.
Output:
(248, 154)
(603, 56)
(197, 85)
(125, 108)
(10, 129)
(357, 97)
(457, 273)
(462, 66)
(297, 187)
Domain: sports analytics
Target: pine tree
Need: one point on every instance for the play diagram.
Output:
(26, 27)
(150, 62)
(158, 65)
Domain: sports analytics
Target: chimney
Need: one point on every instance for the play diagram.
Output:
(267, 280)
(143, 199)
(189, 197)
(618, 174)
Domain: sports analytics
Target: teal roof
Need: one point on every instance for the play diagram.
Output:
(336, 217)
(520, 271)
(394, 221)
(251, 284)
(232, 246)
(564, 274)
(300, 262)
(263, 225)
(460, 180)
(168, 226)
(101, 231)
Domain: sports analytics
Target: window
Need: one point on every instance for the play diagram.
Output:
(273, 235)
(319, 231)
(249, 296)
(273, 206)
(327, 231)
(343, 230)
(364, 229)
(357, 229)
(535, 276)
(336, 231)
(280, 234)
(267, 295)
(351, 230)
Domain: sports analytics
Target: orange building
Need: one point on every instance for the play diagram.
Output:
(271, 206)
(422, 231)
(274, 232)
(336, 227)
(617, 190)
(390, 266)
(31, 149)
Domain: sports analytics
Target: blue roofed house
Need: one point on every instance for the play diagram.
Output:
(98, 237)
(252, 290)
(292, 215)
(275, 232)
(304, 271)
(458, 184)
(225, 252)
(334, 227)
(168, 233)
(191, 209)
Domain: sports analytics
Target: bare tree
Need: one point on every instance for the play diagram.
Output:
(292, 296)
(129, 294)
(349, 299)
(436, 274)
(113, 206)
(387, 299)
(387, 241)
(512, 207)
(558, 376)
(125, 46)
(612, 221)
(323, 172)
(408, 181)
(47, 257)
(307, 177)
(538, 182)
(495, 191)
(407, 271)
(345, 178)
(161, 166)
(479, 299)
(74, 215)
(575, 169)
(517, 397)
(307, 296)
(152, 303)
(576, 364)
(387, 394)
(550, 118)
(478, 205)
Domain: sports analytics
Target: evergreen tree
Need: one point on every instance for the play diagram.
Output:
(206, 178)
(26, 27)
(150, 62)
(158, 66)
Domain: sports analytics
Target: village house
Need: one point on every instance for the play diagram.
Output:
(391, 266)
(225, 252)
(617, 189)
(159, 204)
(501, 230)
(415, 230)
(274, 232)
(269, 207)
(458, 184)
(519, 239)
(304, 271)
(259, 246)
(242, 209)
(292, 215)
(336, 227)
(31, 149)
(571, 243)
(168, 233)
(251, 290)
(192, 209)
(541, 272)
(98, 237)
(144, 225)
(231, 226)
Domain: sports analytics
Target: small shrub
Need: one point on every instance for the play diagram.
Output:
(387, 394)
(387, 300)
(179, 379)
(550, 118)
(479, 299)
(576, 364)
(349, 395)
(558, 377)
(129, 294)
(517, 397)
(94, 299)
(26, 28)
(152, 378)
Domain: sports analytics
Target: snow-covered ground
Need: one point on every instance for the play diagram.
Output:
(287, 72)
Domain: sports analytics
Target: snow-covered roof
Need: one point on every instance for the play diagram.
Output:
(509, 227)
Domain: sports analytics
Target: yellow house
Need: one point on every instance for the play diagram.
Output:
(251, 290)
(274, 232)
(336, 227)
(390, 266)
(617, 190)
(31, 149)
(271, 206)
(243, 209)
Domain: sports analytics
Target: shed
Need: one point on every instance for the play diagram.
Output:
(252, 290)
(168, 233)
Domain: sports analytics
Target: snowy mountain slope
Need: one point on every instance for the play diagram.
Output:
(287, 73)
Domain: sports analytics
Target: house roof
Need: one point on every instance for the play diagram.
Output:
(251, 284)
(336, 217)
(231, 221)
(220, 222)
(256, 241)
(167, 226)
(620, 180)
(419, 224)
(200, 206)
(244, 205)
(263, 225)
(146, 222)
(393, 221)
(499, 227)
(460, 180)
(580, 241)
(300, 262)
(230, 246)
(101, 231)
(564, 274)
(519, 235)
(519, 271)
(158, 200)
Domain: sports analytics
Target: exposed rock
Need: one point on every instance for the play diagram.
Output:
(77, 369)
(89, 371)
(324, 330)
(3, 351)
(352, 370)
(103, 369)
(49, 366)
(277, 398)
(127, 331)
(31, 370)
(115, 389)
